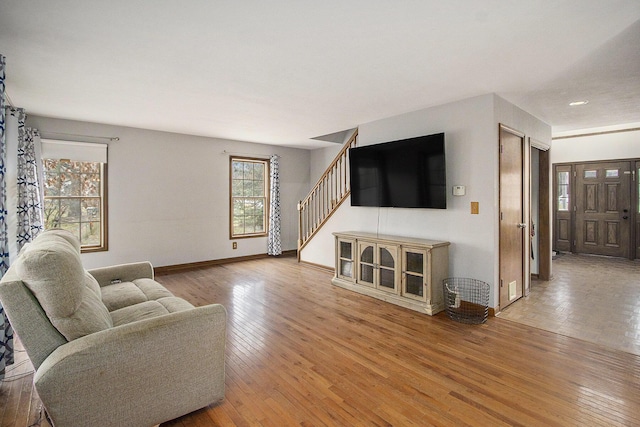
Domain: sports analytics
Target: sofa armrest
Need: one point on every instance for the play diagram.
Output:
(142, 373)
(123, 272)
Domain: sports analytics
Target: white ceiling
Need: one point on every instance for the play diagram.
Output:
(282, 72)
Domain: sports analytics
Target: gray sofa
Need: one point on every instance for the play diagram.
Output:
(111, 346)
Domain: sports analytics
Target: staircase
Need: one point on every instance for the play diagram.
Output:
(326, 196)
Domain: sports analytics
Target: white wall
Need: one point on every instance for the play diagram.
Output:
(608, 146)
(322, 157)
(471, 139)
(168, 194)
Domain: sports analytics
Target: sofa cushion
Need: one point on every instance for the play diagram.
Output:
(149, 309)
(120, 295)
(51, 268)
(173, 304)
(152, 289)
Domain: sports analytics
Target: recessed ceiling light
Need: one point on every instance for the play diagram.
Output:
(576, 103)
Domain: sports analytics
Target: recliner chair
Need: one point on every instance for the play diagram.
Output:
(111, 346)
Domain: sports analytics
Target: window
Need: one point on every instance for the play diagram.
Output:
(612, 173)
(563, 191)
(249, 203)
(75, 192)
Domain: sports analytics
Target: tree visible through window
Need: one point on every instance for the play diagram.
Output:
(74, 200)
(249, 183)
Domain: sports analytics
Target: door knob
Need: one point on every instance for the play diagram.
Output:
(625, 217)
(522, 225)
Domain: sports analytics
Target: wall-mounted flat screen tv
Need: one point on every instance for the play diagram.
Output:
(408, 173)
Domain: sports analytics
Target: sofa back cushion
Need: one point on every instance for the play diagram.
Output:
(51, 268)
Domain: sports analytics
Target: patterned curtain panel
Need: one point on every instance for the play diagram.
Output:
(6, 332)
(4, 241)
(30, 206)
(274, 246)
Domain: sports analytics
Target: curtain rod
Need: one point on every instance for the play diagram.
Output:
(109, 138)
(42, 133)
(236, 153)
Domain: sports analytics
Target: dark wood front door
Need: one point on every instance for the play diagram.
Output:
(603, 208)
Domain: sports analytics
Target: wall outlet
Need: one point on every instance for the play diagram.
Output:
(475, 208)
(234, 245)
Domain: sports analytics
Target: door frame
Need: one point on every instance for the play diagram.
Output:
(635, 202)
(543, 229)
(525, 206)
(544, 214)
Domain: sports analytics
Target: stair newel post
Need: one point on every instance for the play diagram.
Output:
(299, 208)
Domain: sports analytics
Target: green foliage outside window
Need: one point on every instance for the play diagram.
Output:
(73, 199)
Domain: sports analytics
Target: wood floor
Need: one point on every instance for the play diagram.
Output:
(301, 352)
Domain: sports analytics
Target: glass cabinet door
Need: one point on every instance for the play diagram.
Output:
(367, 270)
(414, 274)
(388, 277)
(346, 259)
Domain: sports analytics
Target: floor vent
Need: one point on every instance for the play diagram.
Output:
(512, 290)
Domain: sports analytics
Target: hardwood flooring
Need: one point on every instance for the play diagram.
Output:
(19, 402)
(301, 352)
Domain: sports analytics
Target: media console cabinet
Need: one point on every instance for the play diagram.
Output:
(401, 270)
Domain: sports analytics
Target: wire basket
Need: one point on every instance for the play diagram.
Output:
(466, 300)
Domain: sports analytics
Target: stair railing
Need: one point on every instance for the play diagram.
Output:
(327, 195)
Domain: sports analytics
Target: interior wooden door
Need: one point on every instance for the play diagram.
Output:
(512, 225)
(544, 224)
(636, 203)
(603, 208)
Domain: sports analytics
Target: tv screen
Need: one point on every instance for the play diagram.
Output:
(409, 173)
